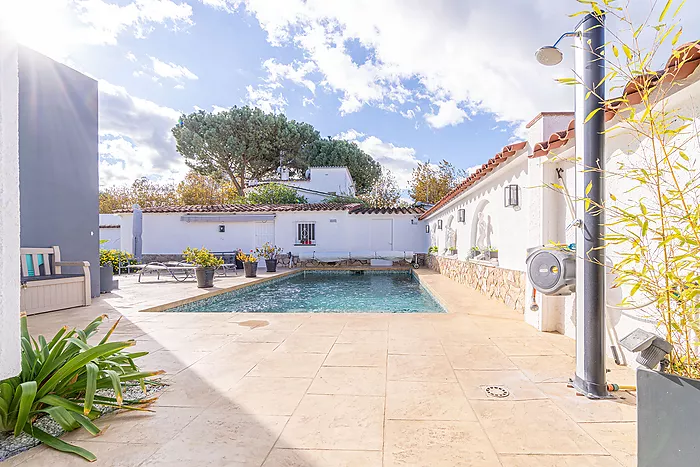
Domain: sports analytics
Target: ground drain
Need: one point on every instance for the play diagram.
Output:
(497, 391)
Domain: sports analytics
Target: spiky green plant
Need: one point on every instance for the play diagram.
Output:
(62, 378)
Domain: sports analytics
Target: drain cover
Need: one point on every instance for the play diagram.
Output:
(497, 391)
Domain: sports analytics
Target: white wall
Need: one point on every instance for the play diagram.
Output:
(111, 235)
(508, 225)
(9, 210)
(168, 234)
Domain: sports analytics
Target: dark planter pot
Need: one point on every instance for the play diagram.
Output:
(251, 269)
(494, 255)
(205, 277)
(106, 278)
(668, 419)
(271, 265)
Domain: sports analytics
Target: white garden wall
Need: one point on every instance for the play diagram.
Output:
(9, 209)
(167, 233)
(110, 236)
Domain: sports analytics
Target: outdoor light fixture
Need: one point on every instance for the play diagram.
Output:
(589, 64)
(510, 196)
(427, 228)
(222, 228)
(652, 348)
(440, 224)
(460, 215)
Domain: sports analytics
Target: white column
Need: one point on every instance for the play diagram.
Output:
(9, 209)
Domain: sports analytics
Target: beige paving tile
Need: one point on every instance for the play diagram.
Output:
(316, 458)
(359, 381)
(434, 368)
(240, 353)
(547, 368)
(170, 362)
(373, 354)
(350, 336)
(478, 357)
(513, 346)
(456, 338)
(300, 343)
(108, 454)
(532, 427)
(620, 440)
(156, 427)
(264, 335)
(497, 327)
(190, 389)
(528, 460)
(437, 443)
(620, 409)
(323, 327)
(368, 322)
(407, 400)
(264, 396)
(415, 346)
(289, 365)
(411, 328)
(220, 377)
(218, 438)
(335, 422)
(474, 384)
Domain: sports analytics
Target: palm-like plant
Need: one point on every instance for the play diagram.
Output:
(61, 378)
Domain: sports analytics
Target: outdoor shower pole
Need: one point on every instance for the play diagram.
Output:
(590, 378)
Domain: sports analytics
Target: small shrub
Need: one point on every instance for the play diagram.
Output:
(268, 251)
(201, 257)
(61, 378)
(116, 257)
(247, 258)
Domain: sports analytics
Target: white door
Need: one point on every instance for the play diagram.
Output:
(264, 233)
(381, 235)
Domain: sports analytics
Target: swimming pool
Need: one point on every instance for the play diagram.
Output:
(326, 292)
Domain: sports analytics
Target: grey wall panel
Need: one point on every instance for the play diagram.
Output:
(58, 147)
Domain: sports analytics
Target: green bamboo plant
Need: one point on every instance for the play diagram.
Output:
(62, 379)
(653, 224)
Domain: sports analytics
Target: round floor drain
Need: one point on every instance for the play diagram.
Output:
(497, 391)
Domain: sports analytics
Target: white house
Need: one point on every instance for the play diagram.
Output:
(318, 184)
(540, 215)
(296, 228)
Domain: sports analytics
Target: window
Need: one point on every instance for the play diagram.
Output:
(306, 233)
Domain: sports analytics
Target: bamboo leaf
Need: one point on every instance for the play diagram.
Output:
(627, 51)
(590, 115)
(665, 10)
(616, 52)
(589, 187)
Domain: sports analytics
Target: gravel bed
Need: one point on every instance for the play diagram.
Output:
(11, 445)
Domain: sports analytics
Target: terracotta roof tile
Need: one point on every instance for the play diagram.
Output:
(388, 210)
(689, 54)
(506, 153)
(246, 208)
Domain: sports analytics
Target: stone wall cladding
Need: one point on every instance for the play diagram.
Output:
(153, 258)
(505, 285)
(284, 261)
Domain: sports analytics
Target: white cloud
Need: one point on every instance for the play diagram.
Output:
(399, 160)
(295, 72)
(265, 99)
(58, 27)
(130, 56)
(448, 114)
(171, 70)
(477, 56)
(135, 138)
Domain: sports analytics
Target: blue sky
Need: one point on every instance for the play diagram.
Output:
(408, 80)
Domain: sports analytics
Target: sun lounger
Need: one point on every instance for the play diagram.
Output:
(178, 271)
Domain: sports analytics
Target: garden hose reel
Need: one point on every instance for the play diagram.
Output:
(552, 271)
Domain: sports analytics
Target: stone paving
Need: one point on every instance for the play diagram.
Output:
(348, 390)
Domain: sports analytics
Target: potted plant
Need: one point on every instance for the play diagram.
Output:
(206, 264)
(250, 263)
(474, 252)
(493, 253)
(453, 250)
(433, 250)
(269, 252)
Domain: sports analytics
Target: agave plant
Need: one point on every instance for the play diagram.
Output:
(62, 379)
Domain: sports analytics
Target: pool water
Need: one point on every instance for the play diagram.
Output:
(326, 292)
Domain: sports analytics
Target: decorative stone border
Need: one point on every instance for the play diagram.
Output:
(504, 284)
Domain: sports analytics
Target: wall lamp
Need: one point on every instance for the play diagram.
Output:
(510, 196)
(460, 215)
(427, 228)
(652, 349)
(440, 224)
